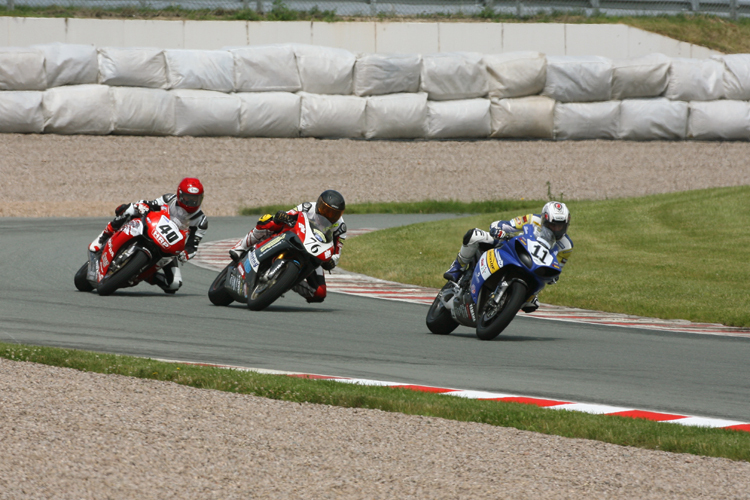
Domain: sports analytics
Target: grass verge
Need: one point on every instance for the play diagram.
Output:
(714, 32)
(419, 207)
(624, 431)
(673, 256)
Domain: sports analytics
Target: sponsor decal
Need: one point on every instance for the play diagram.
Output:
(302, 228)
(193, 190)
(494, 262)
(253, 259)
(271, 243)
(473, 289)
(484, 269)
(328, 254)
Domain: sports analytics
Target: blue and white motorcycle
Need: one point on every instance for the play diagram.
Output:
(490, 293)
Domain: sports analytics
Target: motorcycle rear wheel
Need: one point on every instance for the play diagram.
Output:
(82, 284)
(283, 282)
(217, 294)
(130, 270)
(492, 323)
(439, 319)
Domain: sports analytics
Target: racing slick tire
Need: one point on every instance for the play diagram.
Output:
(217, 294)
(119, 279)
(82, 284)
(494, 319)
(439, 319)
(260, 298)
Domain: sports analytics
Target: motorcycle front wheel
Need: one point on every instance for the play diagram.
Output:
(122, 276)
(264, 294)
(82, 284)
(495, 317)
(217, 294)
(439, 319)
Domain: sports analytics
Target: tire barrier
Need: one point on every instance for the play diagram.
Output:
(295, 90)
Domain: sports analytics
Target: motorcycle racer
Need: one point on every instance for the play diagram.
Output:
(327, 211)
(555, 216)
(189, 197)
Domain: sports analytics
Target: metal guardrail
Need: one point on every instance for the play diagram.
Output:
(726, 8)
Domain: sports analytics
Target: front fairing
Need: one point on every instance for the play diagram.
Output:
(168, 233)
(536, 268)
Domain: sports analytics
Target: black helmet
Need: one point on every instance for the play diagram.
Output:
(330, 205)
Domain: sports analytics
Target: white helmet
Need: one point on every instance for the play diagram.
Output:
(556, 217)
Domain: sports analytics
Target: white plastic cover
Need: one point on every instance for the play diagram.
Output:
(200, 69)
(269, 114)
(378, 74)
(468, 118)
(587, 120)
(736, 81)
(719, 120)
(325, 70)
(523, 117)
(332, 115)
(516, 74)
(140, 111)
(22, 69)
(266, 68)
(396, 116)
(78, 109)
(132, 67)
(695, 80)
(206, 113)
(645, 76)
(21, 112)
(69, 64)
(653, 119)
(578, 78)
(453, 75)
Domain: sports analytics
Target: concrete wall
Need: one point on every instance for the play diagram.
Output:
(614, 41)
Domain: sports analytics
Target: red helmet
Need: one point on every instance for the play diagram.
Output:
(190, 194)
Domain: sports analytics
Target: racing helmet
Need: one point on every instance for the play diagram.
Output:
(190, 194)
(556, 218)
(330, 205)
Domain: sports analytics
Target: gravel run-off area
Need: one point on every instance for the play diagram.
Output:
(70, 434)
(50, 175)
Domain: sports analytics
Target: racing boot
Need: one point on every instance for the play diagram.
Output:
(456, 270)
(531, 305)
(309, 293)
(170, 280)
(100, 240)
(245, 244)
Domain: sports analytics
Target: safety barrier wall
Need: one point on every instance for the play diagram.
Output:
(608, 40)
(291, 90)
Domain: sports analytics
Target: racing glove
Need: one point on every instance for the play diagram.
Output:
(328, 265)
(185, 256)
(282, 217)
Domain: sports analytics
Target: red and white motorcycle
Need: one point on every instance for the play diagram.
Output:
(275, 265)
(136, 251)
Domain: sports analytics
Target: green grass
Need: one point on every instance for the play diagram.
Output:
(673, 256)
(419, 207)
(730, 444)
(709, 31)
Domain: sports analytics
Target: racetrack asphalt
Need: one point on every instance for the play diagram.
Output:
(355, 337)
